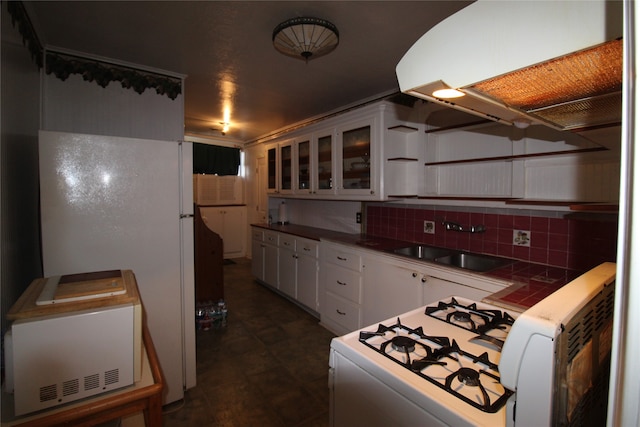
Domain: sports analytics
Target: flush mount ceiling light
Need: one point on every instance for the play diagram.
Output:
(305, 38)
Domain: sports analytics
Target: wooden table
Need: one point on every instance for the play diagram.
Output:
(143, 396)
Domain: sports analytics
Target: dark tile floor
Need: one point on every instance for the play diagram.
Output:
(267, 367)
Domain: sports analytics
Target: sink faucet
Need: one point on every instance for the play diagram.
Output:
(449, 225)
(454, 226)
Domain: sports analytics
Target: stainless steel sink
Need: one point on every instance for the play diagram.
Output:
(423, 252)
(473, 262)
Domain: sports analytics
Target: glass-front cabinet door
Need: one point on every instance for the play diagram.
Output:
(272, 169)
(303, 148)
(286, 168)
(324, 181)
(357, 157)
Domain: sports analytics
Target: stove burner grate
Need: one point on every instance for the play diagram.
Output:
(445, 352)
(471, 318)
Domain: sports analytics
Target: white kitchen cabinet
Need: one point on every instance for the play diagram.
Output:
(287, 265)
(271, 258)
(395, 285)
(286, 183)
(229, 223)
(343, 157)
(324, 162)
(307, 273)
(273, 165)
(391, 287)
(257, 253)
(298, 267)
(340, 288)
(358, 157)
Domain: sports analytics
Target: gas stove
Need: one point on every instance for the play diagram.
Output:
(471, 377)
(459, 362)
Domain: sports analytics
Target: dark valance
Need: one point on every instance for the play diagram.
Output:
(20, 18)
(62, 65)
(215, 160)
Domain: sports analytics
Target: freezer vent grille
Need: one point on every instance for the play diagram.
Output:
(91, 382)
(111, 377)
(48, 392)
(70, 387)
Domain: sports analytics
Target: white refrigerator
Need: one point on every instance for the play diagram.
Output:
(123, 203)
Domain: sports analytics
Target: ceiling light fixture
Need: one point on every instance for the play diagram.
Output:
(305, 38)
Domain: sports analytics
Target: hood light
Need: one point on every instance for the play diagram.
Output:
(522, 123)
(447, 93)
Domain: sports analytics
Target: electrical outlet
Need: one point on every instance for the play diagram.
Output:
(522, 237)
(429, 227)
(358, 217)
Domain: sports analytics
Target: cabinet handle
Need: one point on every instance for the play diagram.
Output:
(414, 274)
(340, 312)
(424, 279)
(341, 283)
(306, 249)
(341, 259)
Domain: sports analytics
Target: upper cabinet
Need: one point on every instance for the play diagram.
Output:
(339, 158)
(273, 165)
(359, 145)
(324, 160)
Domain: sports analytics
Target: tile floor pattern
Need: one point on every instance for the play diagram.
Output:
(267, 367)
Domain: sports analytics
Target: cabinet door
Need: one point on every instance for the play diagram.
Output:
(272, 169)
(390, 289)
(436, 289)
(257, 255)
(287, 266)
(234, 234)
(303, 165)
(307, 281)
(286, 168)
(324, 182)
(358, 157)
(271, 265)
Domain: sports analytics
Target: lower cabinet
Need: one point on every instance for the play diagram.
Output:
(391, 288)
(351, 287)
(341, 288)
(229, 223)
(393, 285)
(287, 263)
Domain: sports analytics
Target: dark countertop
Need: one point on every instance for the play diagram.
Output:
(530, 282)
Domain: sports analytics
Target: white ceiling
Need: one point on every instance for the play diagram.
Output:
(225, 49)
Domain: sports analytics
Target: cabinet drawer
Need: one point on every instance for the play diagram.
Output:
(342, 312)
(343, 258)
(271, 237)
(307, 247)
(343, 282)
(257, 234)
(287, 241)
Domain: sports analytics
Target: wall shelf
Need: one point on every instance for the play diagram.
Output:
(403, 129)
(402, 159)
(515, 157)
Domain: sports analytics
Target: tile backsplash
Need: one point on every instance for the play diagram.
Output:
(561, 239)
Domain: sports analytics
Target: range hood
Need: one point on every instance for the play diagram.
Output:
(556, 63)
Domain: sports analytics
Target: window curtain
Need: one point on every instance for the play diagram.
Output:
(215, 160)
